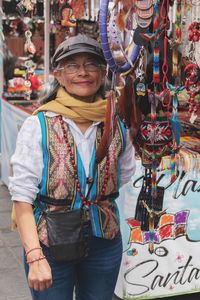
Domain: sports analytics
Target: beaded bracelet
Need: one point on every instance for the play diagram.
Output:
(36, 259)
(33, 249)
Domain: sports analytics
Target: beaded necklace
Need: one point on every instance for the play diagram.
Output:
(165, 18)
(156, 50)
(178, 39)
(85, 201)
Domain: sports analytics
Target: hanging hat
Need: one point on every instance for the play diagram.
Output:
(77, 44)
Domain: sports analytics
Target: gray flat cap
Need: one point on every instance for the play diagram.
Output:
(77, 44)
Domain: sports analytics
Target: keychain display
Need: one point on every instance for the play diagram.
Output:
(67, 19)
(25, 6)
(192, 84)
(78, 7)
(194, 32)
(29, 47)
(30, 69)
(87, 27)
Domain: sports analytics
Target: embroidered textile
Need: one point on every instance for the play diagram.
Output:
(58, 177)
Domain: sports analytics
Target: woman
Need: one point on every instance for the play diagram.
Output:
(55, 159)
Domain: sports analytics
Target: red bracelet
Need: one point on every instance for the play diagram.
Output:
(33, 249)
(36, 259)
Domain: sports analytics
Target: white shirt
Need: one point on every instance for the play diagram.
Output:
(27, 161)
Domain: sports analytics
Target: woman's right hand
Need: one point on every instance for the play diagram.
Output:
(39, 276)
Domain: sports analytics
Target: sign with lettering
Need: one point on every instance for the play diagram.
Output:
(173, 266)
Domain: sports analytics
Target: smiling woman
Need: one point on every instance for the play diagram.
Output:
(81, 76)
(63, 196)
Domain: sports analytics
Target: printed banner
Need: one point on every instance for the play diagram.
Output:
(173, 267)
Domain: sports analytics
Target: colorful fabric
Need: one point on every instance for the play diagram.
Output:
(74, 109)
(58, 177)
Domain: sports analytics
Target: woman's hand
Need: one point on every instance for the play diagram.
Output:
(39, 276)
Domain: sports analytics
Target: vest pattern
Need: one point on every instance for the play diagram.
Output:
(58, 177)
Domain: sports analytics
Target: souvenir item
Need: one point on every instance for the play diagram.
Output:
(138, 36)
(178, 24)
(145, 14)
(25, 6)
(144, 4)
(143, 23)
(192, 85)
(87, 27)
(67, 17)
(78, 7)
(194, 32)
(156, 137)
(104, 38)
(140, 89)
(115, 36)
(149, 209)
(141, 86)
(29, 46)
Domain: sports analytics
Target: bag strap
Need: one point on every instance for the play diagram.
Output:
(52, 201)
(42, 199)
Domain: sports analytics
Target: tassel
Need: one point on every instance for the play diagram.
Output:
(175, 63)
(172, 167)
(176, 128)
(156, 59)
(136, 115)
(153, 178)
(109, 128)
(126, 3)
(120, 20)
(125, 102)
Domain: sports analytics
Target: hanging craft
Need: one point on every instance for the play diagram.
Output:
(145, 14)
(194, 32)
(68, 19)
(30, 69)
(29, 47)
(144, 4)
(104, 38)
(78, 7)
(192, 84)
(25, 6)
(143, 23)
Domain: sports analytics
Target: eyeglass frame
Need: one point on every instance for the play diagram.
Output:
(83, 65)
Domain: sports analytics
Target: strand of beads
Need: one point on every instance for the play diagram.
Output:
(85, 200)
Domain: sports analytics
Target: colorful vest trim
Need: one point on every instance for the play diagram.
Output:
(58, 177)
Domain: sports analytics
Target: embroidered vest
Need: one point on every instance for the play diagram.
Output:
(58, 177)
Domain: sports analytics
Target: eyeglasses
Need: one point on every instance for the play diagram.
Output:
(72, 68)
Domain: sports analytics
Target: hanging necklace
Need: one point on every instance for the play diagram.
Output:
(86, 202)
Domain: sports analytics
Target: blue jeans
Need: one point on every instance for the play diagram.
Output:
(94, 278)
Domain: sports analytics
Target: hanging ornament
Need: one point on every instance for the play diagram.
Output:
(29, 47)
(68, 19)
(105, 35)
(25, 6)
(192, 84)
(78, 7)
(194, 32)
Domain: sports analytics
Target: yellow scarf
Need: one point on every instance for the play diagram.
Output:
(76, 110)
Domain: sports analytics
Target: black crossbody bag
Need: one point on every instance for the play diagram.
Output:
(68, 231)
